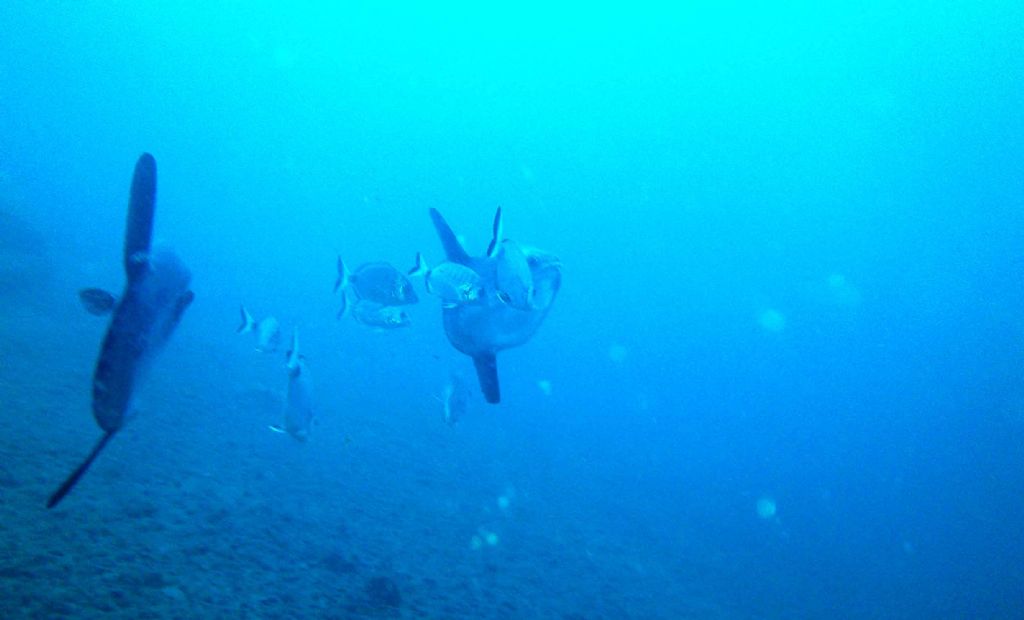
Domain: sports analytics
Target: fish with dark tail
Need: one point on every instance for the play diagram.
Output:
(497, 320)
(156, 295)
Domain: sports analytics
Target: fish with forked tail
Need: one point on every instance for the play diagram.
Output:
(378, 282)
(452, 282)
(514, 279)
(156, 295)
(267, 331)
(298, 409)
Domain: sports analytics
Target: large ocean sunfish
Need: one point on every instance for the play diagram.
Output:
(155, 296)
(490, 324)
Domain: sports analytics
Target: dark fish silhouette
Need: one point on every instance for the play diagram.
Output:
(489, 325)
(155, 296)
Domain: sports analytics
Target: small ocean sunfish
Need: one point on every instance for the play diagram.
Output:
(453, 283)
(156, 295)
(267, 331)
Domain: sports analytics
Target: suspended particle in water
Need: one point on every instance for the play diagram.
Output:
(617, 353)
(766, 508)
(772, 320)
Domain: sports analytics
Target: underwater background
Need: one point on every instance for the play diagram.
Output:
(782, 378)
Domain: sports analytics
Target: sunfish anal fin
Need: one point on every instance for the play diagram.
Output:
(487, 372)
(76, 475)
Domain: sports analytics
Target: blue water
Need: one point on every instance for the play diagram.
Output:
(784, 364)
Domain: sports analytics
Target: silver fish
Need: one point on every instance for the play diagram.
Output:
(266, 331)
(454, 399)
(377, 315)
(452, 282)
(298, 409)
(377, 282)
(514, 278)
(155, 297)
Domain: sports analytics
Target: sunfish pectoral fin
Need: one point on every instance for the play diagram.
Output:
(452, 248)
(487, 372)
(139, 228)
(97, 301)
(76, 475)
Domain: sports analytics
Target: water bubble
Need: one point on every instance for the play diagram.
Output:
(840, 291)
(772, 320)
(766, 508)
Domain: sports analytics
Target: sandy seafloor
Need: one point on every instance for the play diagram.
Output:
(195, 510)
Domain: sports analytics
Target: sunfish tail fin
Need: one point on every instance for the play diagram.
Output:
(141, 205)
(452, 248)
(497, 233)
(76, 475)
(487, 372)
(248, 324)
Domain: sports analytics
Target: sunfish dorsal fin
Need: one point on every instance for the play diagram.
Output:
(487, 372)
(497, 235)
(141, 205)
(452, 248)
